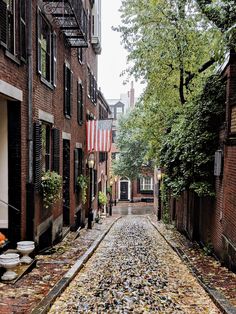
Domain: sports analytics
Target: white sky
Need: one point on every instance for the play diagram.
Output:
(112, 60)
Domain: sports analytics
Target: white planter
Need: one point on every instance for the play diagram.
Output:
(9, 261)
(25, 248)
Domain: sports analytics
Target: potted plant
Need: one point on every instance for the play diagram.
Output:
(83, 185)
(51, 184)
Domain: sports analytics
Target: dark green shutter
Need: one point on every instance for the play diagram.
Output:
(95, 182)
(3, 23)
(76, 168)
(37, 155)
(56, 150)
(138, 185)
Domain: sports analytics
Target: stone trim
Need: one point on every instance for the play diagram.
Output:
(10, 91)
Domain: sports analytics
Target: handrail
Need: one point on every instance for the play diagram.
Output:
(9, 205)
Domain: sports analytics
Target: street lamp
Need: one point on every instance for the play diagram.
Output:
(91, 162)
(159, 177)
(115, 188)
(110, 209)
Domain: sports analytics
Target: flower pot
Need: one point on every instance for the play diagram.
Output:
(9, 261)
(25, 248)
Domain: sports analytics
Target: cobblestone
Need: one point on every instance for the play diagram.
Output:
(134, 271)
(26, 293)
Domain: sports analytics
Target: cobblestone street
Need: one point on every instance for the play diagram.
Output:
(134, 271)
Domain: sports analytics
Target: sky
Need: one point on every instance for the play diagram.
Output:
(112, 60)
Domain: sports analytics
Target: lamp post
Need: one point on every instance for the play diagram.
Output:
(115, 188)
(159, 176)
(91, 161)
(110, 209)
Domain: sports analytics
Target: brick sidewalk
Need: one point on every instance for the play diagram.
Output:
(208, 270)
(27, 292)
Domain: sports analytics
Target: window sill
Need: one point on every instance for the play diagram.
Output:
(146, 191)
(12, 57)
(80, 123)
(67, 116)
(44, 81)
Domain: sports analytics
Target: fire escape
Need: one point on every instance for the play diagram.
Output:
(70, 16)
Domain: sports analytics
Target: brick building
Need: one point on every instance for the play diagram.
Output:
(48, 88)
(123, 189)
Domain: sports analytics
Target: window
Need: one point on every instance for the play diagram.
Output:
(113, 136)
(146, 184)
(80, 107)
(47, 58)
(102, 157)
(78, 165)
(67, 91)
(91, 86)
(46, 142)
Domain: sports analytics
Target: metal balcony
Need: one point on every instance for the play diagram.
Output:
(71, 17)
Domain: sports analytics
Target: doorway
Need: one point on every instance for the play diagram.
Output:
(66, 182)
(124, 190)
(3, 165)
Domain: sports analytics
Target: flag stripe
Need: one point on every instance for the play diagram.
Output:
(99, 135)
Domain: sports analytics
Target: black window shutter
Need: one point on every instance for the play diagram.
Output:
(39, 29)
(95, 182)
(138, 185)
(56, 150)
(22, 29)
(54, 59)
(37, 155)
(76, 168)
(3, 23)
(71, 93)
(65, 89)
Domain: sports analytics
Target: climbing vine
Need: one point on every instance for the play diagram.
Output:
(187, 152)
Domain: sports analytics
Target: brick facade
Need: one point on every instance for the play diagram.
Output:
(45, 226)
(212, 221)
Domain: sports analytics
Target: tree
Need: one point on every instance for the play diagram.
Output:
(131, 146)
(170, 44)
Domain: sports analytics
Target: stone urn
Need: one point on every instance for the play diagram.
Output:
(25, 248)
(9, 261)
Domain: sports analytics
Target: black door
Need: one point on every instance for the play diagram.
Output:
(66, 182)
(124, 191)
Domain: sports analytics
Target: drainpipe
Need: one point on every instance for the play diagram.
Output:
(30, 186)
(30, 93)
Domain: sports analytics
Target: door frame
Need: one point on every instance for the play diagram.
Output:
(124, 179)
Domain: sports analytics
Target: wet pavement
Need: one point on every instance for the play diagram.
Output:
(134, 270)
(127, 208)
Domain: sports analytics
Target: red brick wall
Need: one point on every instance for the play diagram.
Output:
(52, 102)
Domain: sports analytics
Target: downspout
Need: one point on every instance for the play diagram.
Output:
(30, 93)
(30, 193)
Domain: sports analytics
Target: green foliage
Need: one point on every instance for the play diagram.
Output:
(83, 184)
(188, 148)
(131, 146)
(102, 199)
(51, 184)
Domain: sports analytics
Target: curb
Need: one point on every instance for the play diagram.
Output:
(220, 301)
(61, 285)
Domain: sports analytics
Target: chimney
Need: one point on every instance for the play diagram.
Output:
(131, 101)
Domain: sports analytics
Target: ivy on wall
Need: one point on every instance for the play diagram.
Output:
(187, 150)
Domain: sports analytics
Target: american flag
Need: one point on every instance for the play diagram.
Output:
(99, 135)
